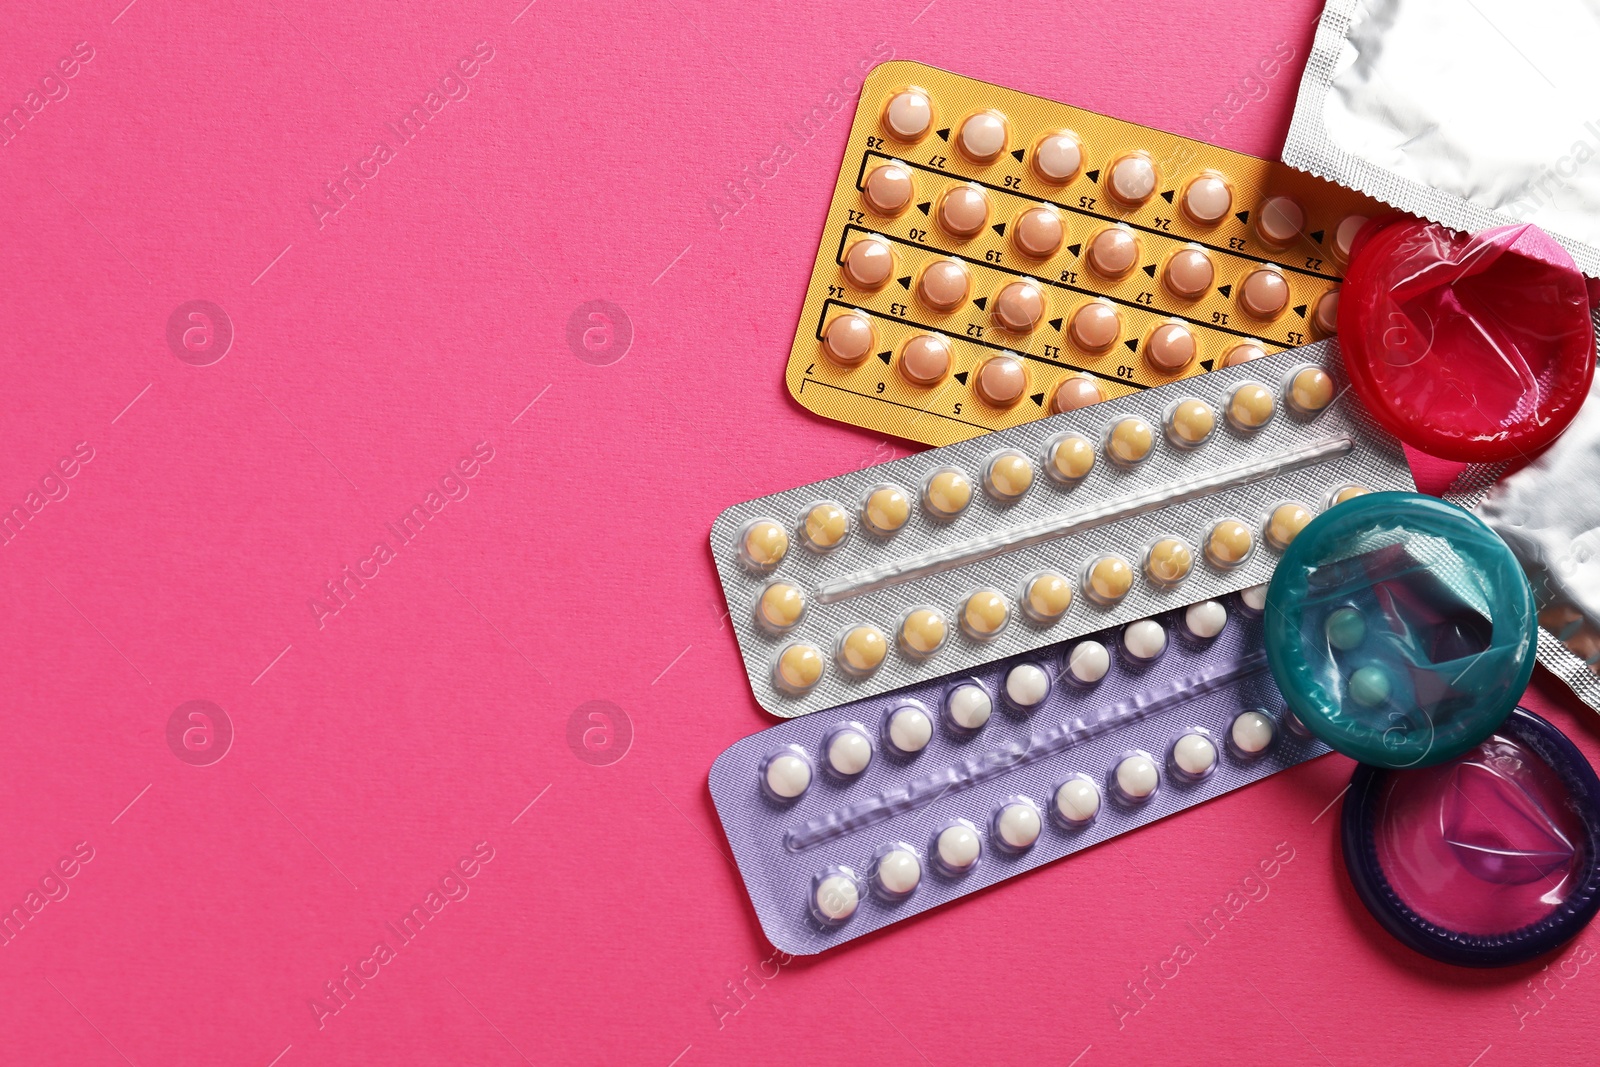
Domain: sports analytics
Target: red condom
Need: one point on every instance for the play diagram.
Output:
(1470, 348)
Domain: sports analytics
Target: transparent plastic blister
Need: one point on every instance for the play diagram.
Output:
(890, 575)
(844, 822)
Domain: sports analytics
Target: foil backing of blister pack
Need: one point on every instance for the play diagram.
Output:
(844, 827)
(1292, 459)
(1474, 116)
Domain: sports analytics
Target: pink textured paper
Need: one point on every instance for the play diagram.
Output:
(442, 303)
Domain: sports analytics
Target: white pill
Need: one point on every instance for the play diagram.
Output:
(1144, 639)
(1205, 619)
(1078, 800)
(909, 114)
(969, 706)
(899, 871)
(849, 752)
(1018, 825)
(1252, 733)
(1254, 598)
(1137, 776)
(837, 897)
(1027, 685)
(788, 776)
(1058, 157)
(1089, 662)
(910, 730)
(1194, 754)
(959, 846)
(983, 136)
(1132, 179)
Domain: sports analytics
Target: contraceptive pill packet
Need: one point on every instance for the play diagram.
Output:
(890, 575)
(844, 822)
(991, 258)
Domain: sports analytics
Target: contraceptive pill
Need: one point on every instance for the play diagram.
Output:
(1144, 640)
(1017, 825)
(909, 729)
(969, 706)
(1075, 393)
(1204, 620)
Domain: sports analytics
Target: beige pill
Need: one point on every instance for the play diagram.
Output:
(925, 359)
(848, 339)
(963, 210)
(1132, 179)
(1242, 354)
(1250, 406)
(1038, 232)
(780, 607)
(1311, 390)
(943, 285)
(1008, 476)
(1325, 320)
(868, 263)
(1191, 422)
(1048, 597)
(1280, 221)
(1188, 273)
(1350, 492)
(908, 115)
(1071, 458)
(1228, 543)
(1130, 441)
(1264, 293)
(765, 543)
(1168, 562)
(886, 510)
(982, 137)
(798, 668)
(984, 614)
(826, 525)
(947, 493)
(1113, 252)
(1108, 580)
(1019, 306)
(1095, 326)
(1207, 199)
(1057, 157)
(861, 650)
(1001, 381)
(888, 189)
(1074, 393)
(1344, 236)
(1285, 524)
(922, 632)
(1171, 347)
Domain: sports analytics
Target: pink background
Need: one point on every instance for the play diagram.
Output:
(376, 749)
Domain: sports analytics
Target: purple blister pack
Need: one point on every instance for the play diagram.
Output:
(847, 820)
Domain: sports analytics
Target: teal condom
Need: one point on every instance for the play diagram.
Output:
(1400, 629)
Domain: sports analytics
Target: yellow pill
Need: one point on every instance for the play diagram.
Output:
(1285, 524)
(798, 668)
(1191, 422)
(1048, 597)
(826, 524)
(862, 649)
(887, 509)
(1250, 406)
(922, 632)
(1311, 390)
(1009, 475)
(1131, 439)
(764, 544)
(1070, 458)
(1350, 492)
(1109, 579)
(1168, 561)
(1228, 543)
(780, 607)
(947, 493)
(985, 614)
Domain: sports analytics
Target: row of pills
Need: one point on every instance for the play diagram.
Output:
(1058, 157)
(1015, 825)
(1008, 475)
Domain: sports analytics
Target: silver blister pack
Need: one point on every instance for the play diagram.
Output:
(1473, 115)
(877, 579)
